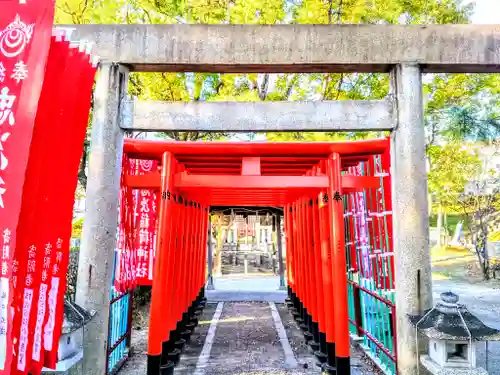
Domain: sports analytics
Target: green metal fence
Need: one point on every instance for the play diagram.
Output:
(368, 237)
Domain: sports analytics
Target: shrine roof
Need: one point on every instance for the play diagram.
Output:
(145, 149)
(449, 320)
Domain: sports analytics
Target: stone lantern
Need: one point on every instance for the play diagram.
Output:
(454, 335)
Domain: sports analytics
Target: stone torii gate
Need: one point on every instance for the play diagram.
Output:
(403, 51)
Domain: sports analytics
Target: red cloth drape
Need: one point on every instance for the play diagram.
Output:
(25, 32)
(44, 229)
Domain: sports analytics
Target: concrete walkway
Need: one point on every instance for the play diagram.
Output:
(257, 338)
(246, 288)
(242, 338)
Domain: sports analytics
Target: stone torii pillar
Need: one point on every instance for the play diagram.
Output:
(96, 260)
(410, 212)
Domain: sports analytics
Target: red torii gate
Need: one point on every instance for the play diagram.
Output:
(296, 176)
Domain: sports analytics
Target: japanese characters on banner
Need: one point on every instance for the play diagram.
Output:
(25, 31)
(34, 200)
(124, 278)
(145, 214)
(34, 267)
(135, 254)
(55, 239)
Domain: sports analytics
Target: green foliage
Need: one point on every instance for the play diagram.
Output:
(443, 91)
(451, 167)
(451, 222)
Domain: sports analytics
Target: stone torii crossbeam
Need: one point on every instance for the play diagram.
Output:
(403, 51)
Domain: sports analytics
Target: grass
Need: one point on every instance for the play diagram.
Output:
(494, 237)
(449, 252)
(452, 221)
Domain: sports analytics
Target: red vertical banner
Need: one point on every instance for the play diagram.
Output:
(35, 201)
(44, 229)
(25, 31)
(125, 263)
(55, 231)
(145, 201)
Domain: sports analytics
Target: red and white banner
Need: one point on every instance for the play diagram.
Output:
(55, 239)
(44, 229)
(145, 202)
(136, 230)
(25, 32)
(125, 272)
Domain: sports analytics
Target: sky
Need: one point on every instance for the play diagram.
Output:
(487, 12)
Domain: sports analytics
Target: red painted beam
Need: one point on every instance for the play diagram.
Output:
(184, 181)
(154, 149)
(147, 181)
(358, 183)
(230, 182)
(250, 166)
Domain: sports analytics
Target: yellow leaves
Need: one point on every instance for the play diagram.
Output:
(90, 11)
(159, 86)
(451, 167)
(263, 12)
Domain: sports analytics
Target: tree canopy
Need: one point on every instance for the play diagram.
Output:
(457, 106)
(443, 91)
(452, 167)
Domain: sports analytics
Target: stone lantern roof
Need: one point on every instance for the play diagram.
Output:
(75, 317)
(446, 322)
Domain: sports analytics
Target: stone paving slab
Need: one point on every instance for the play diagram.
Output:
(137, 362)
(277, 296)
(192, 351)
(245, 340)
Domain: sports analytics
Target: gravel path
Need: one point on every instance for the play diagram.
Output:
(137, 363)
(246, 342)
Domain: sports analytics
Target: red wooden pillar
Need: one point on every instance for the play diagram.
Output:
(298, 252)
(183, 277)
(197, 256)
(318, 270)
(310, 263)
(205, 217)
(303, 258)
(289, 249)
(157, 331)
(328, 288)
(193, 256)
(316, 253)
(387, 214)
(175, 260)
(341, 312)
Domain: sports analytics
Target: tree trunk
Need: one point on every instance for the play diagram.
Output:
(445, 226)
(439, 223)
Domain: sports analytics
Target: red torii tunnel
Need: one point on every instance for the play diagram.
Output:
(309, 181)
